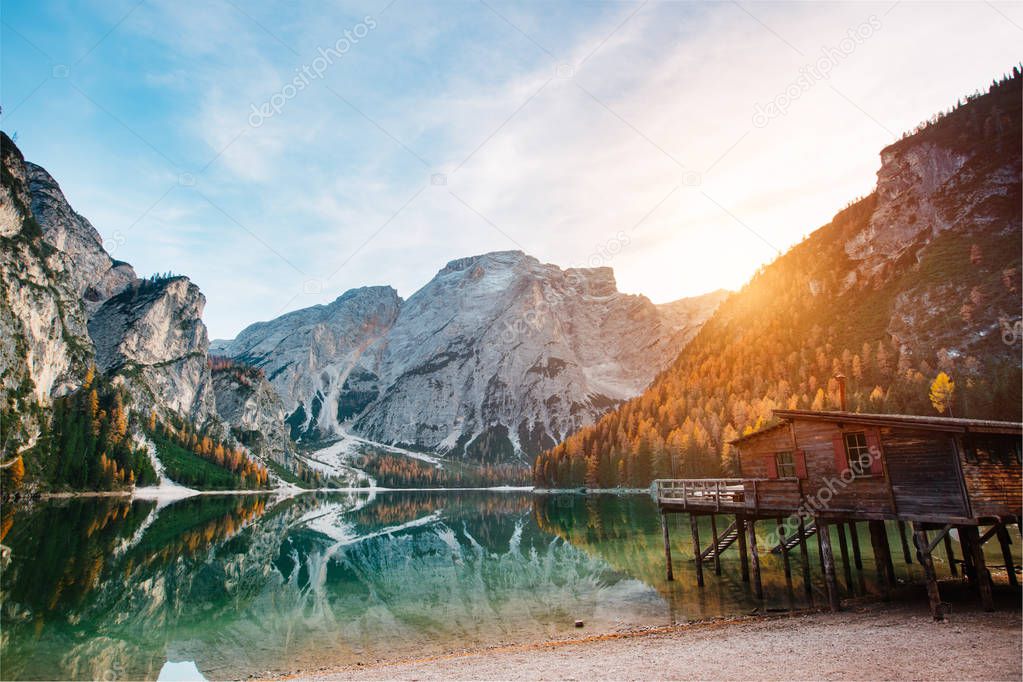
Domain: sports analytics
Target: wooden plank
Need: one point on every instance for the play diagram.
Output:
(784, 552)
(905, 545)
(980, 566)
(717, 540)
(1005, 542)
(694, 528)
(950, 555)
(667, 546)
(824, 533)
(804, 556)
(882, 558)
(740, 527)
(924, 555)
(855, 539)
(844, 549)
(758, 586)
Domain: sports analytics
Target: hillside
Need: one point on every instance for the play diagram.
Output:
(921, 276)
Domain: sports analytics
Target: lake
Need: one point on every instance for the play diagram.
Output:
(107, 588)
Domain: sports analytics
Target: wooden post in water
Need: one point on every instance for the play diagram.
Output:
(855, 539)
(717, 554)
(844, 549)
(754, 554)
(882, 558)
(804, 555)
(740, 528)
(784, 550)
(824, 534)
(667, 545)
(905, 543)
(980, 567)
(923, 554)
(695, 529)
(1004, 541)
(950, 554)
(968, 567)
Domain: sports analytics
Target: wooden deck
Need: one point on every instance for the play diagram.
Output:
(751, 496)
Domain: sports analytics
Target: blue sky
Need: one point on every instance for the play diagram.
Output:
(625, 134)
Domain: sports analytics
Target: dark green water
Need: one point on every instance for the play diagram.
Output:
(102, 588)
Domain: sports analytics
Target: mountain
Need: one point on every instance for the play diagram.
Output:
(921, 276)
(497, 357)
(75, 320)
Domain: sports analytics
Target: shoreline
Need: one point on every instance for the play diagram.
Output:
(795, 645)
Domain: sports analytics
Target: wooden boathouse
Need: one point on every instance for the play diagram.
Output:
(813, 470)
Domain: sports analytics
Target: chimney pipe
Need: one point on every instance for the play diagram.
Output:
(840, 378)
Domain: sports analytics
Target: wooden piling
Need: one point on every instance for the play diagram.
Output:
(950, 555)
(740, 527)
(1005, 542)
(667, 546)
(804, 555)
(980, 567)
(824, 534)
(758, 586)
(784, 551)
(882, 558)
(844, 549)
(905, 544)
(964, 545)
(694, 527)
(925, 559)
(714, 533)
(855, 540)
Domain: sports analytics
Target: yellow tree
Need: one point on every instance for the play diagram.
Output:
(942, 393)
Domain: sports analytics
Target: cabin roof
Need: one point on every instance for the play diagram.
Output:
(927, 423)
(951, 424)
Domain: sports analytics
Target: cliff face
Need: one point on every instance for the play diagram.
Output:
(496, 357)
(323, 360)
(251, 406)
(44, 344)
(152, 336)
(66, 304)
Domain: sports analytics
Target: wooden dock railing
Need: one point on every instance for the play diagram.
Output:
(730, 494)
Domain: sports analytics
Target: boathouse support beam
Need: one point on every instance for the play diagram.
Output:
(754, 555)
(824, 535)
(804, 556)
(667, 546)
(979, 566)
(1005, 542)
(854, 539)
(740, 527)
(924, 549)
(882, 558)
(694, 528)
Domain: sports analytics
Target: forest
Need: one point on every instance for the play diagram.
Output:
(398, 471)
(780, 341)
(201, 459)
(85, 444)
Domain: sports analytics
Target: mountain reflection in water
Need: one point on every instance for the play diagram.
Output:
(103, 588)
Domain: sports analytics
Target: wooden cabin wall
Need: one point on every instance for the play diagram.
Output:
(995, 485)
(923, 472)
(754, 454)
(864, 494)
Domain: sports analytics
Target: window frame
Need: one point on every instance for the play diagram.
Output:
(860, 465)
(782, 466)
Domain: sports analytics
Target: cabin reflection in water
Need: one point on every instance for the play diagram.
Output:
(814, 470)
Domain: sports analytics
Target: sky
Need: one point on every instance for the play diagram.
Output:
(281, 154)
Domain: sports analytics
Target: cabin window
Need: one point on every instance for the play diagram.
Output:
(857, 453)
(785, 464)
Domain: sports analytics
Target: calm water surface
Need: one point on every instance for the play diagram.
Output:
(103, 588)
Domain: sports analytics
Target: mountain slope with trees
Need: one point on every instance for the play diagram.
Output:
(920, 277)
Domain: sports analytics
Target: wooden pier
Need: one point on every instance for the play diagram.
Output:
(814, 471)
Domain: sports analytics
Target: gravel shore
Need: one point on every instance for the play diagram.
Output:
(875, 642)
